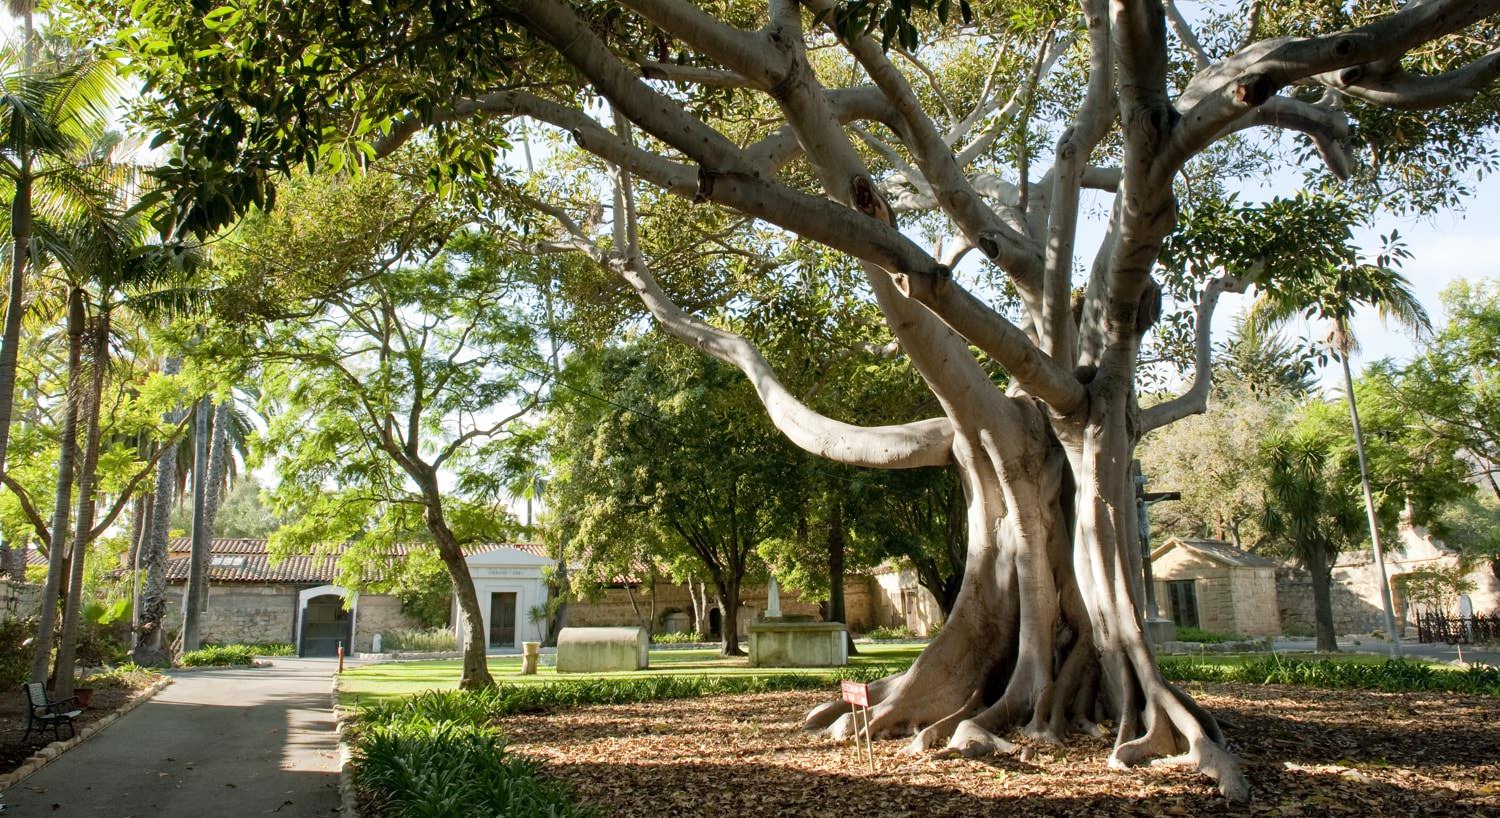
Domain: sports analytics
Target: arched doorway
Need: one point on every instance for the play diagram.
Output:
(325, 625)
(714, 620)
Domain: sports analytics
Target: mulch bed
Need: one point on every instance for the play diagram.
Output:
(13, 752)
(1307, 752)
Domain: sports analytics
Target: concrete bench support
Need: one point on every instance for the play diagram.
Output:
(600, 650)
(798, 644)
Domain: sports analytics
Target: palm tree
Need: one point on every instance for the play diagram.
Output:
(108, 260)
(1332, 293)
(50, 114)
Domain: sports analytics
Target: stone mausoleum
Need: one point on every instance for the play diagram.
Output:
(1212, 585)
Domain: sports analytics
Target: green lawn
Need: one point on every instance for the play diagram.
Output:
(375, 682)
(372, 682)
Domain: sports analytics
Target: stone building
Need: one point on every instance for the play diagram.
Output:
(253, 598)
(1357, 606)
(898, 601)
(1212, 585)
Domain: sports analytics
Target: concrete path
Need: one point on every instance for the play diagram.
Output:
(1409, 647)
(218, 743)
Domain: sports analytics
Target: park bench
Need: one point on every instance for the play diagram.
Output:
(42, 712)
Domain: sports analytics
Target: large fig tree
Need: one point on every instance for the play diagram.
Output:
(820, 119)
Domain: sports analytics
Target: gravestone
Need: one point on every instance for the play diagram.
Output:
(602, 650)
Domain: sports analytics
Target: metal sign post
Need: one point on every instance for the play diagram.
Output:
(858, 695)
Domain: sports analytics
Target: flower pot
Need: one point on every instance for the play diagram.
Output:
(85, 696)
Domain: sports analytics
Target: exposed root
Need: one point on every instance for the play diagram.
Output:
(941, 730)
(972, 741)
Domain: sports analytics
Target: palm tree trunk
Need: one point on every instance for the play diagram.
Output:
(20, 253)
(57, 550)
(150, 645)
(192, 602)
(1364, 480)
(67, 645)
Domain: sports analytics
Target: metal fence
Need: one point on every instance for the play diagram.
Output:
(1432, 627)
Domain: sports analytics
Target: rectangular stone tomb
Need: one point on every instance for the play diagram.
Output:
(598, 650)
(798, 644)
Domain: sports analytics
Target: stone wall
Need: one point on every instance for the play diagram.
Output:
(1256, 612)
(378, 613)
(1357, 605)
(241, 612)
(19, 600)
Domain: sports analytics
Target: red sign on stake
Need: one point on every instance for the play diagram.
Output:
(855, 693)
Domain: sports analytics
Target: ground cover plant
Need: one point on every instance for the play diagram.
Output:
(259, 648)
(1203, 636)
(420, 640)
(219, 656)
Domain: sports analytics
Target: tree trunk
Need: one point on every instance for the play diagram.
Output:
(57, 550)
(729, 616)
(1045, 635)
(218, 465)
(476, 671)
(197, 581)
(836, 612)
(148, 505)
(151, 648)
(1322, 588)
(1392, 633)
(561, 590)
(67, 646)
(10, 340)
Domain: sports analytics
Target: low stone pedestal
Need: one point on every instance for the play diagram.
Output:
(600, 650)
(529, 653)
(1160, 631)
(799, 644)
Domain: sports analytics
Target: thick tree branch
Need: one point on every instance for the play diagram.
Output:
(1222, 93)
(1414, 92)
(911, 445)
(28, 508)
(1195, 400)
(1017, 254)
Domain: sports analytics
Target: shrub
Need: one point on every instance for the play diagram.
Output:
(421, 769)
(259, 648)
(220, 656)
(1203, 636)
(683, 638)
(898, 632)
(130, 676)
(413, 640)
(15, 650)
(1390, 676)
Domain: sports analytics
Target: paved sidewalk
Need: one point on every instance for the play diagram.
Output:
(1409, 647)
(218, 743)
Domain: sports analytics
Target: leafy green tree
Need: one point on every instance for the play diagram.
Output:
(1313, 510)
(1453, 384)
(54, 108)
(392, 393)
(1333, 293)
(658, 452)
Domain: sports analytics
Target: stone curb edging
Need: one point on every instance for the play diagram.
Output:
(348, 804)
(55, 750)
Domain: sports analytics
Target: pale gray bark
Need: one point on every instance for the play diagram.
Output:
(196, 587)
(58, 536)
(151, 648)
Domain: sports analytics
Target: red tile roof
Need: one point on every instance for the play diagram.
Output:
(247, 560)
